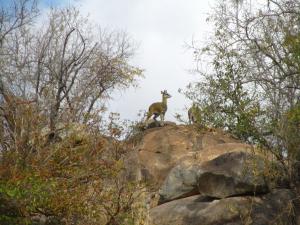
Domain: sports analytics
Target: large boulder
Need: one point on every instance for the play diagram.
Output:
(234, 173)
(161, 148)
(272, 208)
(182, 181)
(205, 176)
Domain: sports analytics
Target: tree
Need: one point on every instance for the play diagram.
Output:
(82, 69)
(14, 18)
(68, 68)
(254, 76)
(55, 77)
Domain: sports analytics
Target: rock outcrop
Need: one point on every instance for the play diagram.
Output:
(240, 210)
(162, 148)
(230, 174)
(207, 177)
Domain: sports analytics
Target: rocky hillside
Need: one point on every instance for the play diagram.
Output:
(207, 177)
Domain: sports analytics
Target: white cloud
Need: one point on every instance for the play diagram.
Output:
(162, 27)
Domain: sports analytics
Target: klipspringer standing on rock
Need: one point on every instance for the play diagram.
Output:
(159, 108)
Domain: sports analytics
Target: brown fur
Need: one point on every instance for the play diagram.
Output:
(159, 108)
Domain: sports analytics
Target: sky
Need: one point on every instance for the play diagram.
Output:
(162, 30)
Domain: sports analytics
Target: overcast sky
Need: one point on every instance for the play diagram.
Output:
(161, 28)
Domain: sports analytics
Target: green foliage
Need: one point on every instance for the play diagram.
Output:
(291, 42)
(13, 220)
(224, 100)
(249, 78)
(78, 180)
(289, 127)
(30, 192)
(57, 161)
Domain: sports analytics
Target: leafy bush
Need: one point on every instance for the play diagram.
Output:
(77, 180)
